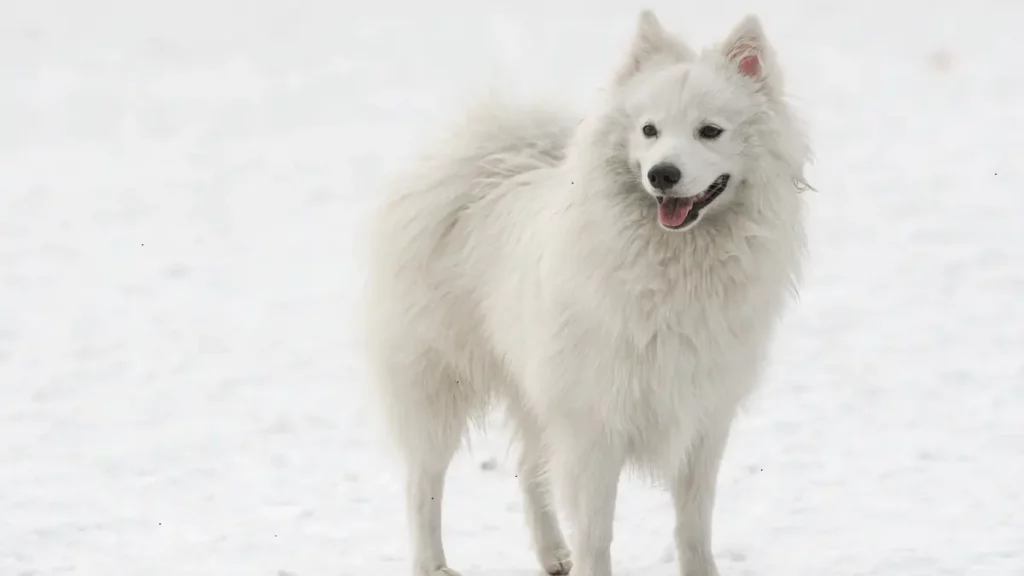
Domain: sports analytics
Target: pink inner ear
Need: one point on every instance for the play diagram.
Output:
(750, 65)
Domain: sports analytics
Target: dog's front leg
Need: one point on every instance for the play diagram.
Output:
(588, 468)
(693, 492)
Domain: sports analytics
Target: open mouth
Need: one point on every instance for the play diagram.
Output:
(677, 213)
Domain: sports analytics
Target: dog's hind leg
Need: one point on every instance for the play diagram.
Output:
(427, 407)
(548, 541)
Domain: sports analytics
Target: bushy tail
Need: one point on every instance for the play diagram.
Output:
(493, 142)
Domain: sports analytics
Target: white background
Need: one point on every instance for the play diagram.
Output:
(181, 190)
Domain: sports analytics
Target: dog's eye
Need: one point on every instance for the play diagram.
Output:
(650, 130)
(709, 132)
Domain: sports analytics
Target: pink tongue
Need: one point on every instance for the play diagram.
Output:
(672, 212)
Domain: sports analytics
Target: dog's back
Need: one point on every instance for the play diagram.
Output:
(495, 143)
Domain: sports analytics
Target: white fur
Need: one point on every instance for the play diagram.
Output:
(522, 263)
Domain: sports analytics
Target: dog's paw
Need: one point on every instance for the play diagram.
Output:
(557, 562)
(559, 568)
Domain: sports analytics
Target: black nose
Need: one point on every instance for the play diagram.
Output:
(664, 176)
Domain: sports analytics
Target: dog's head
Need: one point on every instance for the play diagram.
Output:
(697, 125)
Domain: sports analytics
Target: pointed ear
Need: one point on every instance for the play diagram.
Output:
(747, 50)
(652, 44)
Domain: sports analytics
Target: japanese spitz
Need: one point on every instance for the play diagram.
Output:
(612, 280)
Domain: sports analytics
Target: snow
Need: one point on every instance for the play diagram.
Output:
(181, 193)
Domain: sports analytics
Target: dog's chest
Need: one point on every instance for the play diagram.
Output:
(683, 347)
(648, 345)
(709, 310)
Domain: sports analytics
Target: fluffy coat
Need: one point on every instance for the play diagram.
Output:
(522, 263)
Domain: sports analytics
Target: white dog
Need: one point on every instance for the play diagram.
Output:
(613, 282)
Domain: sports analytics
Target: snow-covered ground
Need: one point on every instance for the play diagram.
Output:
(181, 186)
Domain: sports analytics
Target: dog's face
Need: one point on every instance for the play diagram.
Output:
(690, 119)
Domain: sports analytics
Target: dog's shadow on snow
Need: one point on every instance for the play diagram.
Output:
(660, 570)
(654, 570)
(735, 564)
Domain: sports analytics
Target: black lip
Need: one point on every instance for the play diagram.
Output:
(712, 192)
